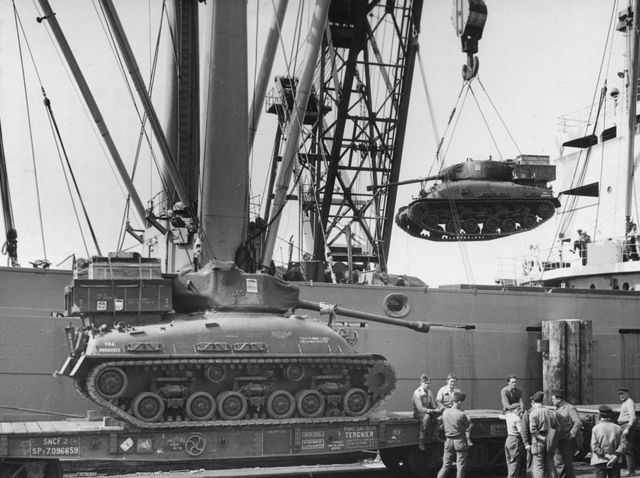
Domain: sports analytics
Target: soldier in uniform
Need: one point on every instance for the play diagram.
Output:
(457, 426)
(424, 408)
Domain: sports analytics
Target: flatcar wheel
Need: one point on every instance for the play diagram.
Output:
(508, 225)
(281, 404)
(111, 383)
(490, 226)
(545, 210)
(529, 221)
(310, 403)
(394, 459)
(355, 402)
(200, 406)
(53, 469)
(232, 405)
(470, 226)
(148, 407)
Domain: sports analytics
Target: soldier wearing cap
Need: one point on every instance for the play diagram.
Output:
(542, 425)
(627, 420)
(606, 445)
(456, 429)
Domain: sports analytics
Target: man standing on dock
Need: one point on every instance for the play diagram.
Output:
(605, 445)
(513, 447)
(627, 421)
(570, 428)
(457, 426)
(424, 408)
(542, 425)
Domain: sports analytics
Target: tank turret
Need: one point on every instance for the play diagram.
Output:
(215, 347)
(482, 200)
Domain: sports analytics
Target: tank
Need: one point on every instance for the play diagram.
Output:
(482, 200)
(215, 347)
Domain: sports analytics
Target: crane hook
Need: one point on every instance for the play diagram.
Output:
(470, 70)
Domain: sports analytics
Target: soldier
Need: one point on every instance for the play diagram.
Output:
(570, 428)
(542, 425)
(627, 421)
(457, 426)
(444, 397)
(424, 407)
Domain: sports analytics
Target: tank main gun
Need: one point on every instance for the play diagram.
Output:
(332, 310)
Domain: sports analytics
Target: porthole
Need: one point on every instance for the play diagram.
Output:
(396, 305)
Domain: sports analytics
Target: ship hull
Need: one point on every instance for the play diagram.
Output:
(504, 341)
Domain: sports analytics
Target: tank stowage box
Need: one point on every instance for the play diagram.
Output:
(118, 295)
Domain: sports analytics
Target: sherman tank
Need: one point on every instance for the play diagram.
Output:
(214, 347)
(482, 200)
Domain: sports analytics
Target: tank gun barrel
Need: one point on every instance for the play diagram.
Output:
(373, 187)
(424, 327)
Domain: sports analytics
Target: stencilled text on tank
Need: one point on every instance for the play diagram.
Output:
(108, 347)
(314, 340)
(281, 334)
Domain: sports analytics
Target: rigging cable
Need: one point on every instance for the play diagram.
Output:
(60, 146)
(484, 118)
(19, 28)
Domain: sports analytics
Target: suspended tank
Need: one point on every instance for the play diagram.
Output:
(214, 347)
(482, 200)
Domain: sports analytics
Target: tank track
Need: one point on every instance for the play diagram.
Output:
(377, 375)
(411, 219)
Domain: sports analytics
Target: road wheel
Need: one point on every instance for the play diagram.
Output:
(490, 226)
(310, 403)
(148, 407)
(470, 226)
(508, 225)
(232, 405)
(546, 210)
(529, 221)
(355, 402)
(281, 404)
(111, 383)
(200, 406)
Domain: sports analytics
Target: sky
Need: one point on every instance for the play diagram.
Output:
(538, 60)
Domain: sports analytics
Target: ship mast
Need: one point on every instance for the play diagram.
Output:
(632, 98)
(224, 192)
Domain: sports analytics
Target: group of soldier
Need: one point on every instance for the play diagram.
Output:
(540, 440)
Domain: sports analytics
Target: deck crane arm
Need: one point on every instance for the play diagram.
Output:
(469, 18)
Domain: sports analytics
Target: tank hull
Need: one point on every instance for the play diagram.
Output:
(469, 210)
